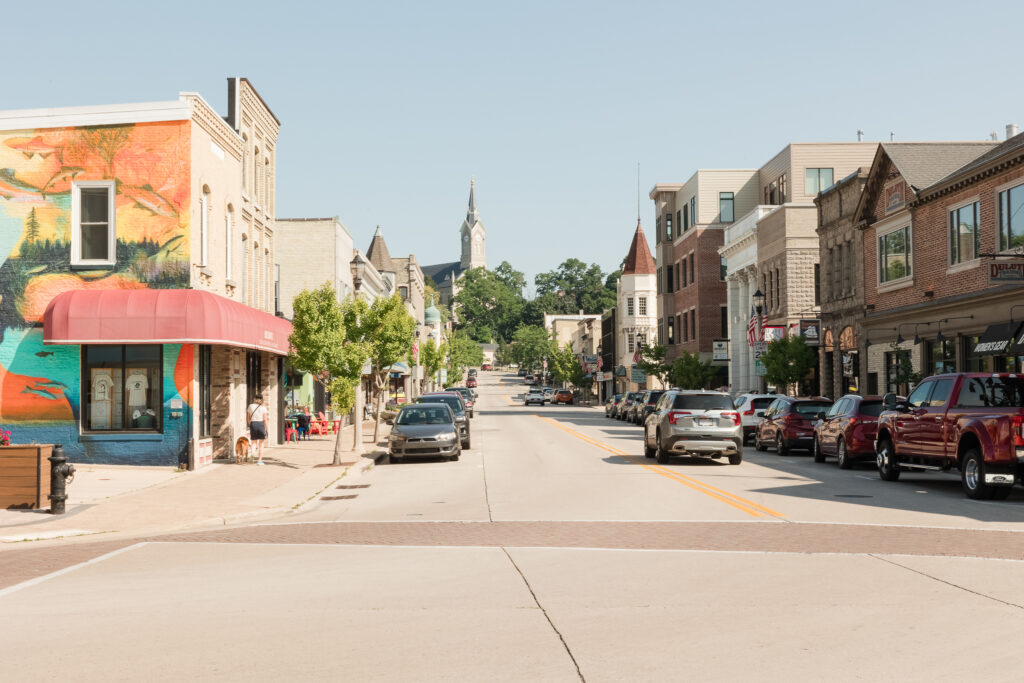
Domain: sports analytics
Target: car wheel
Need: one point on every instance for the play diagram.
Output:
(648, 451)
(465, 444)
(758, 444)
(842, 456)
(660, 454)
(780, 444)
(735, 458)
(972, 476)
(456, 456)
(885, 459)
(816, 451)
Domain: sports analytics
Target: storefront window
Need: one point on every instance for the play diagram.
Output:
(941, 357)
(972, 362)
(122, 388)
(205, 389)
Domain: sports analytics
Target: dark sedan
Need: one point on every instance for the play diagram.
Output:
(424, 430)
(848, 430)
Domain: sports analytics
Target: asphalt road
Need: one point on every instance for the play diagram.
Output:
(553, 550)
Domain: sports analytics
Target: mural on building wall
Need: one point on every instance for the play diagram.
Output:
(149, 165)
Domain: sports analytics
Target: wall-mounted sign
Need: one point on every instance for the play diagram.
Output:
(773, 332)
(895, 195)
(811, 330)
(639, 376)
(720, 350)
(1004, 272)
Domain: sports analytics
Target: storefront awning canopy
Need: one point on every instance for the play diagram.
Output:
(995, 340)
(161, 316)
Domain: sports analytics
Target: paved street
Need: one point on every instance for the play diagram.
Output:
(553, 550)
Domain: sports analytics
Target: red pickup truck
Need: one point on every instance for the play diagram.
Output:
(972, 421)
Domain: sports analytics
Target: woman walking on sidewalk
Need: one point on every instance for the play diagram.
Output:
(258, 426)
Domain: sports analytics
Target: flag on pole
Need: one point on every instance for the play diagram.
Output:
(764, 324)
(752, 328)
(636, 354)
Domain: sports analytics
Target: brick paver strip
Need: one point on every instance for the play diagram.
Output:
(18, 565)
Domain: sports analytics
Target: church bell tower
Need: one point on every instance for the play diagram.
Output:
(473, 237)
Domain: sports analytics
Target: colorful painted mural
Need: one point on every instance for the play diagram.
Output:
(148, 163)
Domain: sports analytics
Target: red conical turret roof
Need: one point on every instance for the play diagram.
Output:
(639, 260)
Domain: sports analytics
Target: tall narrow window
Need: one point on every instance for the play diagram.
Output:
(256, 271)
(204, 226)
(277, 287)
(724, 269)
(693, 210)
(668, 226)
(229, 217)
(92, 224)
(964, 235)
(725, 322)
(679, 328)
(693, 270)
(1011, 218)
(256, 175)
(817, 284)
(671, 331)
(778, 289)
(630, 342)
(643, 303)
(693, 324)
(245, 164)
(629, 306)
(266, 184)
(685, 278)
(205, 389)
(894, 255)
(686, 217)
(670, 283)
(679, 220)
(686, 326)
(725, 207)
(245, 270)
(267, 282)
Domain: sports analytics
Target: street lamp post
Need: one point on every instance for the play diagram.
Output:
(758, 299)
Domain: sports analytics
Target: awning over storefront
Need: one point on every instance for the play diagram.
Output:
(1018, 346)
(995, 340)
(161, 316)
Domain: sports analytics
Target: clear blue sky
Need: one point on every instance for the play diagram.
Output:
(388, 109)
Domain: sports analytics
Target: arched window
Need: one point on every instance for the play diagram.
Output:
(245, 164)
(256, 175)
(245, 269)
(256, 275)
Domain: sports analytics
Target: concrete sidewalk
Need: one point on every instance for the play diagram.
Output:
(105, 499)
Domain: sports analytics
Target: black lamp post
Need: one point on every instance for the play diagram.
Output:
(758, 299)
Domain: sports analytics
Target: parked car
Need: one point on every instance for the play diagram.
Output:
(521, 372)
(789, 423)
(471, 381)
(471, 371)
(548, 392)
(467, 397)
(627, 404)
(486, 366)
(563, 396)
(530, 380)
(643, 407)
(750, 407)
(610, 405)
(697, 423)
(424, 430)
(534, 396)
(848, 430)
(458, 406)
(972, 421)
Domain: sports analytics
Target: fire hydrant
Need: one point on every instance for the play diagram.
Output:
(61, 473)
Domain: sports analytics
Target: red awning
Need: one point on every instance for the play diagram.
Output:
(161, 316)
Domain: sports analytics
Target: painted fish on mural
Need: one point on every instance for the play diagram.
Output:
(171, 249)
(61, 180)
(51, 384)
(148, 199)
(39, 392)
(44, 354)
(30, 147)
(14, 189)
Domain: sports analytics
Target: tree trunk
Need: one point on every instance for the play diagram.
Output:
(357, 420)
(380, 395)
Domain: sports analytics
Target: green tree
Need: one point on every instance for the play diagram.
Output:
(688, 371)
(564, 365)
(388, 329)
(463, 353)
(432, 359)
(486, 306)
(326, 344)
(511, 278)
(31, 227)
(652, 361)
(530, 345)
(575, 286)
(787, 361)
(904, 375)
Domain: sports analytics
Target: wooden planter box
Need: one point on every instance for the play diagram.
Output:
(25, 477)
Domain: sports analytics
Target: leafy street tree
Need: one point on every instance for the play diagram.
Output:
(432, 359)
(330, 350)
(690, 372)
(463, 353)
(904, 377)
(512, 278)
(564, 365)
(787, 361)
(486, 306)
(652, 361)
(531, 344)
(386, 326)
(575, 286)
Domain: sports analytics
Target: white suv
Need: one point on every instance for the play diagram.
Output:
(749, 405)
(535, 396)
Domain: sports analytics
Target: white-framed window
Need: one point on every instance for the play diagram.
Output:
(895, 255)
(964, 233)
(643, 304)
(93, 241)
(629, 307)
(1011, 218)
(245, 165)
(630, 342)
(204, 226)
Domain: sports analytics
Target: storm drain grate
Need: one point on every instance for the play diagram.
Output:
(353, 486)
(850, 495)
(348, 497)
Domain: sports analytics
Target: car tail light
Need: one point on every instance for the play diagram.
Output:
(1017, 422)
(735, 417)
(675, 415)
(790, 417)
(854, 422)
(749, 411)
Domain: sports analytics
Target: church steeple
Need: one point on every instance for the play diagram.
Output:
(473, 235)
(471, 213)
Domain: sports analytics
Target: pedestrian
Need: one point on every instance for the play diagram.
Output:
(257, 414)
(303, 421)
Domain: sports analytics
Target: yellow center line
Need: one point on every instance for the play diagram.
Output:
(738, 502)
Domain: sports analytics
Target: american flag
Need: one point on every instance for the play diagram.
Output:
(752, 328)
(764, 324)
(639, 348)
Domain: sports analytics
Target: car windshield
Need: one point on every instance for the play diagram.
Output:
(992, 392)
(870, 408)
(634, 395)
(424, 415)
(702, 402)
(810, 408)
(454, 402)
(653, 397)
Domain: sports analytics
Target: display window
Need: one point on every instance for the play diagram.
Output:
(122, 388)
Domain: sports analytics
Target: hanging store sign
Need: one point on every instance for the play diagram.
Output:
(811, 330)
(1004, 272)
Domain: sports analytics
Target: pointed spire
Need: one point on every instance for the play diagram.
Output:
(378, 252)
(378, 232)
(471, 214)
(639, 260)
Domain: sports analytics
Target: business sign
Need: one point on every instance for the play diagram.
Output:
(773, 332)
(589, 359)
(1004, 272)
(590, 367)
(639, 376)
(811, 330)
(620, 371)
(603, 377)
(720, 350)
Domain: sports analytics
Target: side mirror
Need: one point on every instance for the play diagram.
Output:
(889, 401)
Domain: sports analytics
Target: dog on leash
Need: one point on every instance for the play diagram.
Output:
(241, 450)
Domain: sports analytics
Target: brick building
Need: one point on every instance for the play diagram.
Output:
(936, 218)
